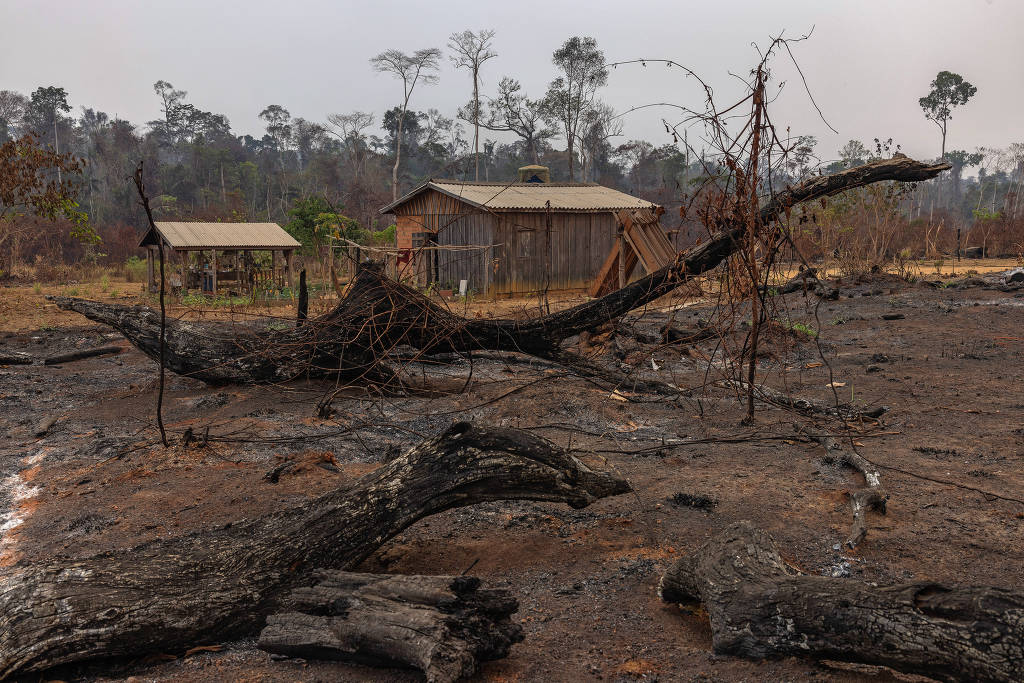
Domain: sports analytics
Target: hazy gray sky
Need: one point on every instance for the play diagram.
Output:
(867, 62)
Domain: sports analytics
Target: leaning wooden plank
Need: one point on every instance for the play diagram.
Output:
(440, 625)
(635, 238)
(217, 584)
(607, 277)
(760, 607)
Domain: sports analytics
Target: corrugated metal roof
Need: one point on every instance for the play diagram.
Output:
(531, 196)
(196, 235)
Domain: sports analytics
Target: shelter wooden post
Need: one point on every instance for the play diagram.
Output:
(150, 283)
(289, 263)
(183, 255)
(622, 256)
(487, 271)
(213, 272)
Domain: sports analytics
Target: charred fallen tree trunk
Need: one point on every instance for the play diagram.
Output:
(760, 607)
(441, 625)
(222, 583)
(378, 314)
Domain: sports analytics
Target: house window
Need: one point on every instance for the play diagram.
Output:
(524, 243)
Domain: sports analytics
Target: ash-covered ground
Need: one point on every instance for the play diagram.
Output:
(949, 362)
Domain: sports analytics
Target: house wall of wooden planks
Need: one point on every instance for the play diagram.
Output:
(500, 251)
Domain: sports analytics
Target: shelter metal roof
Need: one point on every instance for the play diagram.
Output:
(531, 196)
(196, 235)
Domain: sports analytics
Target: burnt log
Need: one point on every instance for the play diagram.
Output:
(82, 354)
(378, 314)
(760, 607)
(219, 584)
(441, 625)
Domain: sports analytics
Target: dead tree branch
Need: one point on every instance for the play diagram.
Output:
(871, 497)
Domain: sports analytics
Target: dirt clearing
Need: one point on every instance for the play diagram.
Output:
(950, 451)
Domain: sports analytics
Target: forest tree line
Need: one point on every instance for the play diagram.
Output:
(198, 168)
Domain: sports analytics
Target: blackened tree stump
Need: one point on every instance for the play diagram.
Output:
(441, 625)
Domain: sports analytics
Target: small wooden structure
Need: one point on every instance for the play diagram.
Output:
(640, 239)
(507, 238)
(211, 256)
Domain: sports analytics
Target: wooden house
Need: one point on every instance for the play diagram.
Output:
(507, 238)
(215, 257)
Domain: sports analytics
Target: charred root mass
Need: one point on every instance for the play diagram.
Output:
(377, 315)
(212, 585)
(441, 625)
(760, 607)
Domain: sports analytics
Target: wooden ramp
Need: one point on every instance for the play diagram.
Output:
(643, 241)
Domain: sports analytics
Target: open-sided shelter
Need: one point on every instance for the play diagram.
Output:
(507, 238)
(209, 256)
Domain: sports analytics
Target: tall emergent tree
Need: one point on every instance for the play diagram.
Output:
(949, 90)
(46, 109)
(471, 51)
(512, 111)
(572, 95)
(421, 65)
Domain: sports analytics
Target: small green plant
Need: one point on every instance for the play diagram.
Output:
(37, 288)
(805, 329)
(838, 320)
(46, 327)
(938, 265)
(194, 300)
(114, 293)
(104, 283)
(73, 291)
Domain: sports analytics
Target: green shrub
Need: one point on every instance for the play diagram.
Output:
(37, 288)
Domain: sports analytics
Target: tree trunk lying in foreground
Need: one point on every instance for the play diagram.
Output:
(760, 607)
(441, 625)
(378, 314)
(221, 583)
